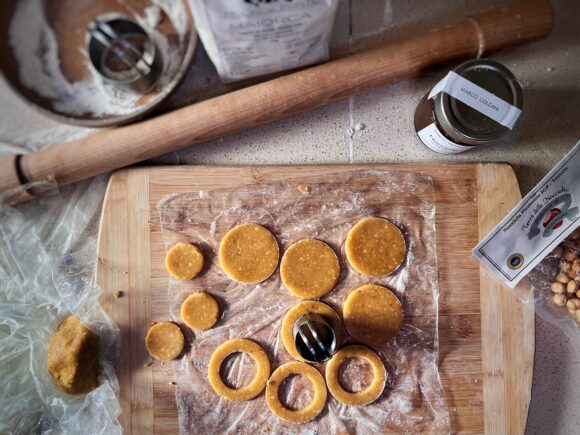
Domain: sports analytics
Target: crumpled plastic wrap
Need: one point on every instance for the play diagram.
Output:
(324, 208)
(540, 279)
(47, 260)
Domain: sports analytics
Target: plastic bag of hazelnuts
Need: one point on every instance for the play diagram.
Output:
(556, 282)
(538, 244)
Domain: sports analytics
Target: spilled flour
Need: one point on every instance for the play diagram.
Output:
(36, 50)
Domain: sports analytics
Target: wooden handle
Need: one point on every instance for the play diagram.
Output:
(275, 99)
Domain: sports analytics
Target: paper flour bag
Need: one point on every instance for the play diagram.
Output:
(249, 38)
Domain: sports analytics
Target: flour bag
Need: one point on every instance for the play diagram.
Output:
(249, 38)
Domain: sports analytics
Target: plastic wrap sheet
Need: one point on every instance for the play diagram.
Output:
(541, 278)
(47, 259)
(324, 208)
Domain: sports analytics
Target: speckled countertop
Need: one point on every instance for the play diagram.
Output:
(549, 71)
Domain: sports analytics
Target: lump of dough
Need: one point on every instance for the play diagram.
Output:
(73, 356)
(249, 253)
(164, 341)
(200, 311)
(375, 247)
(184, 260)
(372, 314)
(309, 269)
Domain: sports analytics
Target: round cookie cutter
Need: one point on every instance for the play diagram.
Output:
(314, 338)
(297, 311)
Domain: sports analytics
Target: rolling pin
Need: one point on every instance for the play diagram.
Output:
(70, 162)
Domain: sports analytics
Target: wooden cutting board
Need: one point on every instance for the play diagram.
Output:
(486, 336)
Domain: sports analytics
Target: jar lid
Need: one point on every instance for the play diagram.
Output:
(466, 124)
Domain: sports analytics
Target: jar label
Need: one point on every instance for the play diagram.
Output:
(477, 98)
(434, 139)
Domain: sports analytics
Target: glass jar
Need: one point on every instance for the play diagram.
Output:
(476, 103)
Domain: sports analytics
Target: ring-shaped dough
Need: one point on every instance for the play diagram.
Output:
(249, 253)
(311, 410)
(375, 247)
(184, 260)
(372, 314)
(164, 341)
(255, 387)
(200, 311)
(360, 398)
(297, 311)
(309, 268)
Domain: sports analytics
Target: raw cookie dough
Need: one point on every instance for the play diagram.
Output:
(369, 394)
(309, 269)
(249, 253)
(200, 311)
(375, 247)
(262, 369)
(184, 260)
(164, 341)
(298, 310)
(372, 314)
(311, 410)
(73, 356)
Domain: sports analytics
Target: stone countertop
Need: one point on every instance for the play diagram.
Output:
(377, 126)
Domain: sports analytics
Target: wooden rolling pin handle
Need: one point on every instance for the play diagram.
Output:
(74, 161)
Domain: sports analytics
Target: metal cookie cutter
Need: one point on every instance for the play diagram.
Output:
(314, 338)
(123, 52)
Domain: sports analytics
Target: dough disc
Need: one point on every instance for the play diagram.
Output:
(298, 310)
(369, 394)
(200, 311)
(372, 314)
(309, 269)
(311, 410)
(249, 253)
(262, 369)
(375, 247)
(184, 260)
(164, 341)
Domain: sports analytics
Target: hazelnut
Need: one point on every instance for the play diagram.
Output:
(570, 244)
(558, 287)
(572, 287)
(563, 278)
(559, 299)
(576, 302)
(558, 250)
(569, 255)
(571, 274)
(571, 305)
(565, 266)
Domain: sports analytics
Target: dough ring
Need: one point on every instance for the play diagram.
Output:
(249, 253)
(184, 260)
(200, 311)
(298, 310)
(164, 341)
(311, 410)
(369, 394)
(262, 369)
(372, 314)
(375, 247)
(309, 269)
